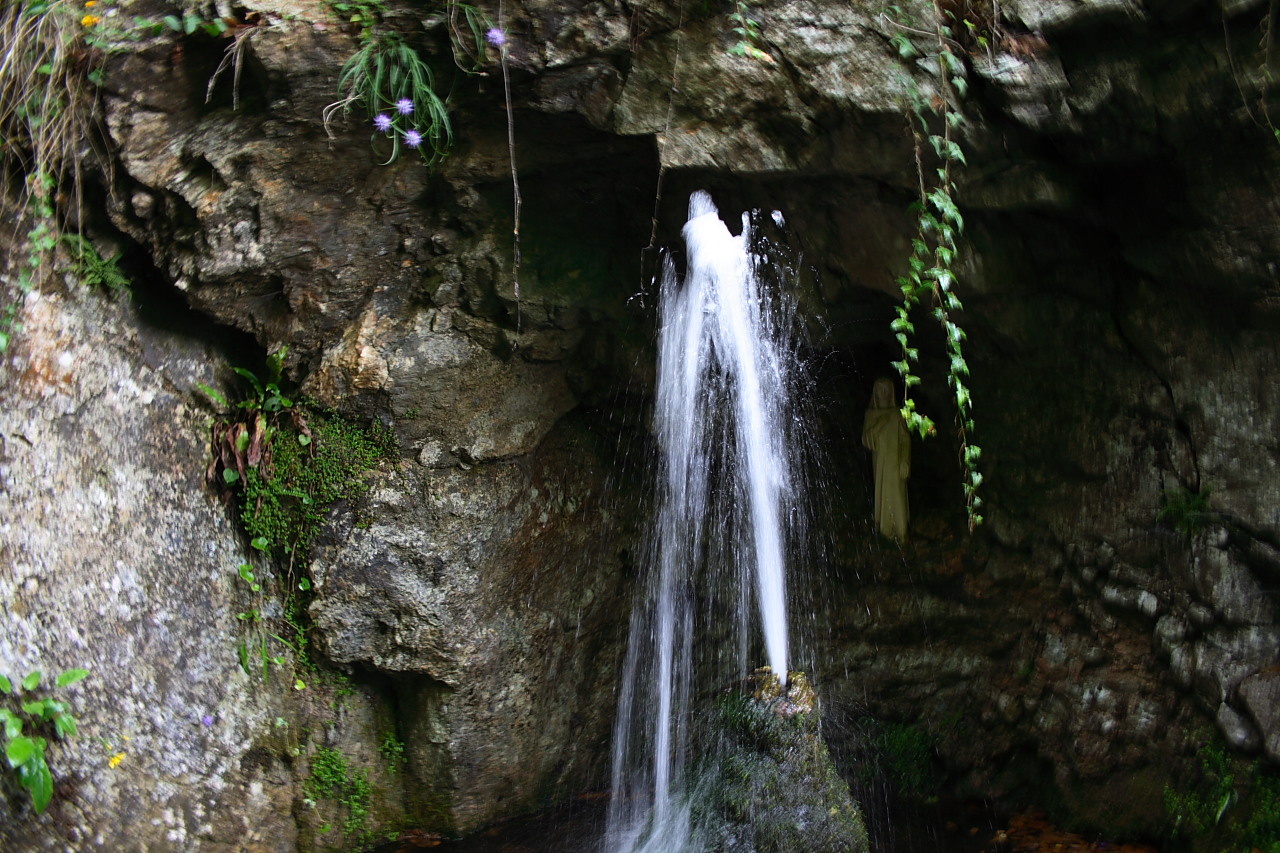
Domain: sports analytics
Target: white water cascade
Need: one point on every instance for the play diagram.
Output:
(716, 566)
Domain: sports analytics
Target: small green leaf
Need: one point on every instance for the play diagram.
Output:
(248, 376)
(304, 584)
(6, 686)
(39, 782)
(32, 681)
(246, 572)
(20, 750)
(261, 543)
(214, 395)
(304, 439)
(65, 725)
(230, 476)
(173, 23)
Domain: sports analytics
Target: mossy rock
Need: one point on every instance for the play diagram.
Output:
(772, 786)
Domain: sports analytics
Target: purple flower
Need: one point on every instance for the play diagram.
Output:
(207, 719)
(412, 138)
(382, 122)
(404, 106)
(496, 37)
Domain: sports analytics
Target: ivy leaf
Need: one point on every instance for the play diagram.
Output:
(20, 750)
(32, 681)
(40, 783)
(230, 476)
(6, 686)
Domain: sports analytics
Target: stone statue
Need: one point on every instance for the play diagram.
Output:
(885, 434)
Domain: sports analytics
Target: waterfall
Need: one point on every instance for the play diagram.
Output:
(716, 553)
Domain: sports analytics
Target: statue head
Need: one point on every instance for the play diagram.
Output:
(882, 394)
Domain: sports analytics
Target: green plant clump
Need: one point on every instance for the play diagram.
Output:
(750, 41)
(1187, 510)
(1225, 808)
(285, 501)
(392, 749)
(332, 779)
(286, 464)
(51, 54)
(395, 85)
(92, 269)
(21, 727)
(903, 754)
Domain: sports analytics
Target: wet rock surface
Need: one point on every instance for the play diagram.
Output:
(489, 596)
(771, 784)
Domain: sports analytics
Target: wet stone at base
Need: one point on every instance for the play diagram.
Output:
(772, 786)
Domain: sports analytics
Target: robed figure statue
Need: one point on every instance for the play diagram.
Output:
(885, 434)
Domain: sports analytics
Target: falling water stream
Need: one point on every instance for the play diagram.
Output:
(715, 586)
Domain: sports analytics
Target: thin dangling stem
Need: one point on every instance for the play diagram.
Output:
(515, 178)
(662, 146)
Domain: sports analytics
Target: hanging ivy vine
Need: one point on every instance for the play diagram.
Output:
(931, 277)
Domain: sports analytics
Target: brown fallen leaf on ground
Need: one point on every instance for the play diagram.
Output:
(1030, 832)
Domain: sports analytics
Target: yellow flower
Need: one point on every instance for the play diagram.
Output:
(89, 4)
(89, 20)
(115, 760)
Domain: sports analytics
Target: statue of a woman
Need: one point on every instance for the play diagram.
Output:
(885, 434)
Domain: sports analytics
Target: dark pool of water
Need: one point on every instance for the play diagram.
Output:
(578, 827)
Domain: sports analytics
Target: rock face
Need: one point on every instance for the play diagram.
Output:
(118, 561)
(1121, 294)
(490, 597)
